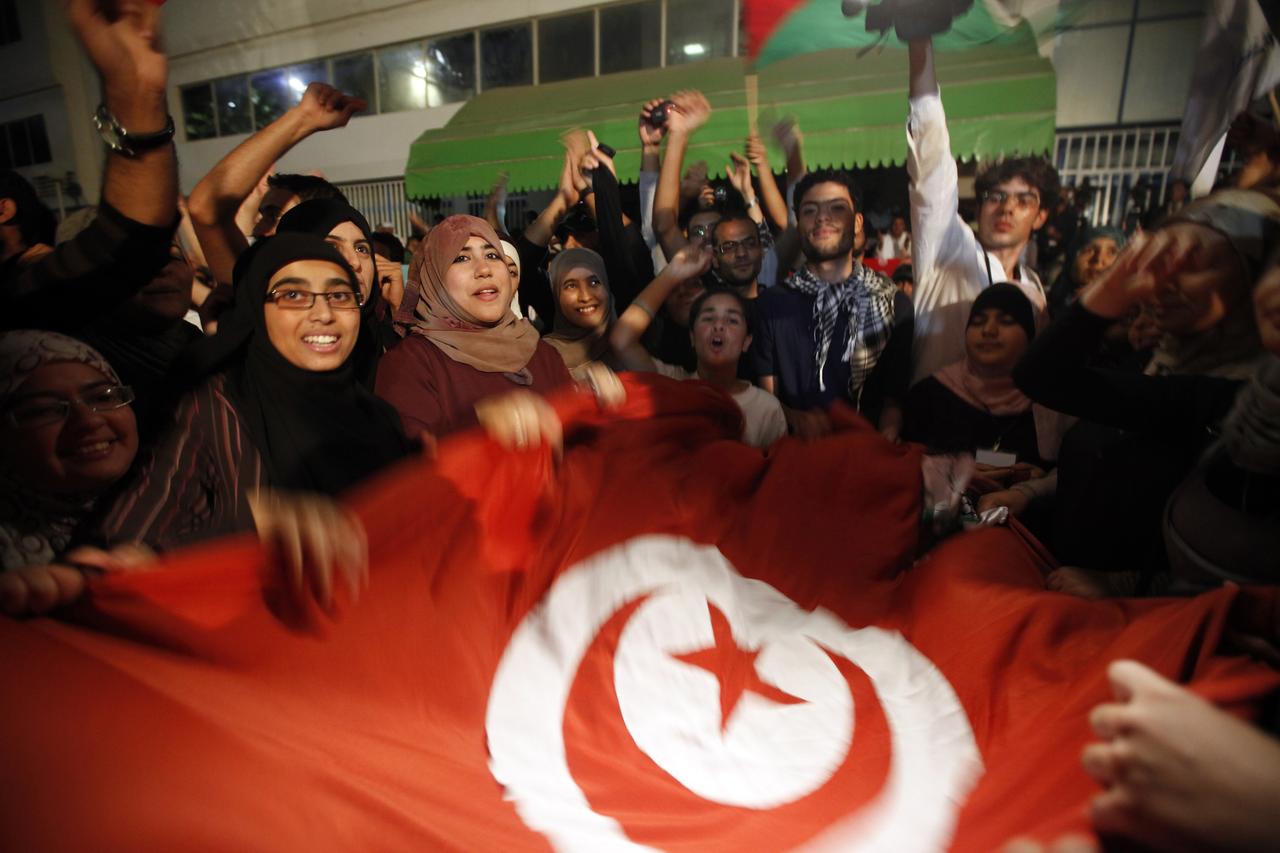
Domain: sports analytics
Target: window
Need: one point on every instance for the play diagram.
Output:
(506, 56)
(197, 111)
(275, 91)
(354, 76)
(24, 143)
(9, 29)
(402, 78)
(39, 140)
(234, 115)
(566, 47)
(630, 37)
(451, 69)
(698, 29)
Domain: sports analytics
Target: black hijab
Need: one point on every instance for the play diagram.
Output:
(316, 431)
(318, 217)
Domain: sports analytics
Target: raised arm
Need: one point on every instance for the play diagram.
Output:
(689, 111)
(771, 198)
(934, 181)
(216, 199)
(495, 206)
(128, 242)
(629, 328)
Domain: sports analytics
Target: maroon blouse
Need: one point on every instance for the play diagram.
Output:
(433, 392)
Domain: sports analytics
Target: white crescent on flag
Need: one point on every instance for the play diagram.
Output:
(733, 691)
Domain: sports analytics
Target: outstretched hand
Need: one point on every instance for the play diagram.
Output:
(315, 544)
(690, 111)
(36, 590)
(739, 172)
(650, 136)
(1178, 772)
(520, 420)
(324, 108)
(692, 260)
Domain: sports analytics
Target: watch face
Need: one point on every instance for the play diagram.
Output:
(108, 129)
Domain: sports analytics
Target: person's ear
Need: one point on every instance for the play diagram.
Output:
(8, 210)
(1041, 218)
(746, 343)
(857, 223)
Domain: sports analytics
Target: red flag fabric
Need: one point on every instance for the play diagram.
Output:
(664, 641)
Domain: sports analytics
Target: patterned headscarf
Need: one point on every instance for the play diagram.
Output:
(36, 526)
(867, 298)
(429, 311)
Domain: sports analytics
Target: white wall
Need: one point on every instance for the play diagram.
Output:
(368, 148)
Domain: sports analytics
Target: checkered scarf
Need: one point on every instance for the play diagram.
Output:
(867, 298)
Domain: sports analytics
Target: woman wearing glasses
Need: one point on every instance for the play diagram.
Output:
(67, 434)
(281, 425)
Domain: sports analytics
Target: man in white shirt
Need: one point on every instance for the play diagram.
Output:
(952, 265)
(895, 244)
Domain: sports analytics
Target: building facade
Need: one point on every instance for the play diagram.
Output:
(1123, 68)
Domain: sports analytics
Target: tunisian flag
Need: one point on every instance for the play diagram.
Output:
(667, 640)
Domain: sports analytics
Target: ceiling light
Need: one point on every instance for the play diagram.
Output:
(695, 49)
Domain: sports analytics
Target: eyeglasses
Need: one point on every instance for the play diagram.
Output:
(1025, 201)
(294, 299)
(731, 247)
(46, 409)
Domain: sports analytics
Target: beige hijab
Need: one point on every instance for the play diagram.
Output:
(428, 310)
(579, 347)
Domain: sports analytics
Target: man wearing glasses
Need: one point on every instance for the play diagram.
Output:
(950, 263)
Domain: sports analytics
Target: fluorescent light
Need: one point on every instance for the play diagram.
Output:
(297, 85)
(420, 69)
(695, 49)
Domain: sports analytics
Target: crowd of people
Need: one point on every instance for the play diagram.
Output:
(178, 369)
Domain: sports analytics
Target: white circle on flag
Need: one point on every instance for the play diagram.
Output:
(769, 754)
(787, 749)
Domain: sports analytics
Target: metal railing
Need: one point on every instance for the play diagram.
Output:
(1124, 167)
(384, 201)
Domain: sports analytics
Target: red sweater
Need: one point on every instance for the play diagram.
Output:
(433, 392)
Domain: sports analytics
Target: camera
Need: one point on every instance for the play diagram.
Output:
(721, 196)
(658, 115)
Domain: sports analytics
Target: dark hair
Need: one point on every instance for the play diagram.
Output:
(35, 222)
(1036, 171)
(732, 216)
(390, 244)
(720, 291)
(306, 187)
(1007, 298)
(827, 176)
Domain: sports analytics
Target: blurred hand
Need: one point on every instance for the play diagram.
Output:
(739, 171)
(1179, 773)
(787, 132)
(594, 158)
(650, 136)
(39, 589)
(324, 108)
(755, 151)
(601, 381)
(690, 261)
(314, 542)
(520, 420)
(1015, 499)
(122, 40)
(808, 424)
(690, 111)
(572, 181)
(1266, 304)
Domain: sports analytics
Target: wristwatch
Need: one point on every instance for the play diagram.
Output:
(122, 141)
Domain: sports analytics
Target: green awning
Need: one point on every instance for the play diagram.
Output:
(850, 108)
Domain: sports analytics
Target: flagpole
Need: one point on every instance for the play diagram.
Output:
(751, 84)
